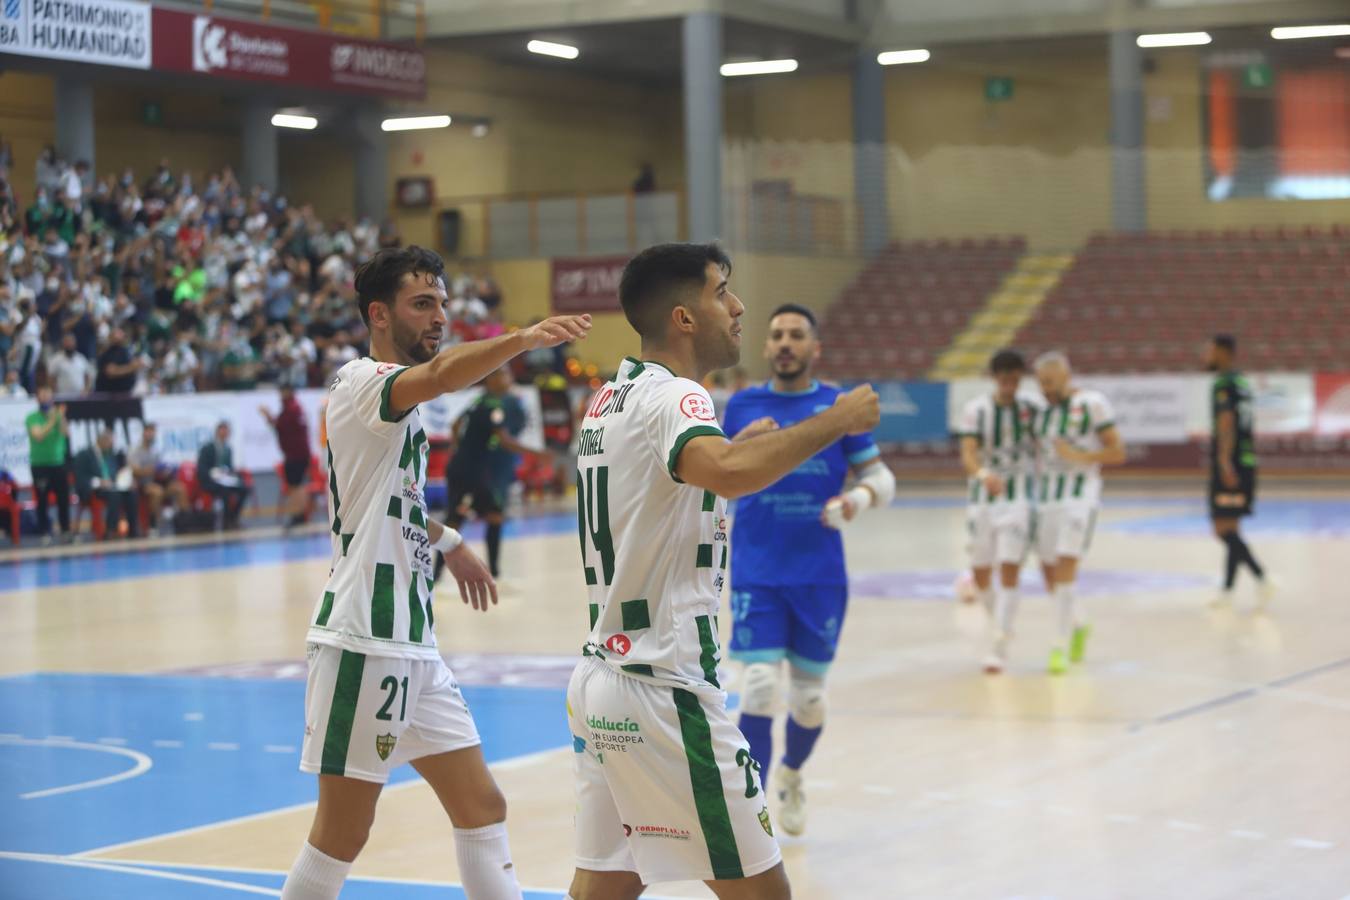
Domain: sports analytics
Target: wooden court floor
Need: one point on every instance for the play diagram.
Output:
(1196, 753)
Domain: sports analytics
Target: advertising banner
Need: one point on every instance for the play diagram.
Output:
(1333, 404)
(911, 411)
(254, 51)
(587, 285)
(104, 32)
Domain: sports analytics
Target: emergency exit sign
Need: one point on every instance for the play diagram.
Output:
(998, 89)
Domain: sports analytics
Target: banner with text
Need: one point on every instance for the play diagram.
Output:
(104, 32)
(1333, 404)
(253, 51)
(587, 285)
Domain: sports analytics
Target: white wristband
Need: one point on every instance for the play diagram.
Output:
(861, 497)
(448, 541)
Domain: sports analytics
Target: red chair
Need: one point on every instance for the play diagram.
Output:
(9, 504)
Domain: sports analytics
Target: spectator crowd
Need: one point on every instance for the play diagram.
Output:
(176, 283)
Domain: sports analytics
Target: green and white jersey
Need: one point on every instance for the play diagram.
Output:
(1008, 445)
(378, 596)
(1080, 419)
(653, 549)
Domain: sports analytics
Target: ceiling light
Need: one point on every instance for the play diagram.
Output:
(548, 48)
(479, 130)
(286, 120)
(901, 57)
(1178, 39)
(759, 67)
(415, 123)
(1309, 31)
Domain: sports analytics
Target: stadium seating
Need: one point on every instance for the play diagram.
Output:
(1147, 302)
(909, 303)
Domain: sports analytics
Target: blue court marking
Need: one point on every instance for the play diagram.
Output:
(226, 748)
(1273, 518)
(51, 878)
(19, 575)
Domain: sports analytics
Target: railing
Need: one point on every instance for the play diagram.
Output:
(550, 225)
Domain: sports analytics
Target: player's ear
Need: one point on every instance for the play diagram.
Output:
(682, 318)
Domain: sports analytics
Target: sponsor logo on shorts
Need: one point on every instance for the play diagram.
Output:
(384, 745)
(764, 821)
(612, 734)
(656, 831)
(619, 643)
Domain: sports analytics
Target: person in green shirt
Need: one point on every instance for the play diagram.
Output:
(47, 457)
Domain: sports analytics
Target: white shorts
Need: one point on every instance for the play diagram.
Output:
(1064, 530)
(999, 533)
(366, 715)
(665, 783)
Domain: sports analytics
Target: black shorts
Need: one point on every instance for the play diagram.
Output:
(484, 498)
(1232, 503)
(296, 470)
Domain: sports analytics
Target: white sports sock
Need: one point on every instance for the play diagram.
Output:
(1067, 616)
(485, 866)
(315, 876)
(1006, 600)
(985, 596)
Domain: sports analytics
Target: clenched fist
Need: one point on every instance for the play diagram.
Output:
(860, 409)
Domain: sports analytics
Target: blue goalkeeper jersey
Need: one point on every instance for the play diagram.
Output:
(778, 538)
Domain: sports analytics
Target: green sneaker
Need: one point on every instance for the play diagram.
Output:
(1078, 644)
(1059, 664)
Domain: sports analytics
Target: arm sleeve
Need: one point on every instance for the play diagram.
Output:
(968, 425)
(369, 383)
(680, 410)
(1102, 413)
(860, 449)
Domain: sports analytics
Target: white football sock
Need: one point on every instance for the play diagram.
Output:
(485, 866)
(315, 876)
(1068, 618)
(1005, 608)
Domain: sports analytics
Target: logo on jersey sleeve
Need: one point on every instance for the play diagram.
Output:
(385, 368)
(698, 406)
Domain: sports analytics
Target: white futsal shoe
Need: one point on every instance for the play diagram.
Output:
(997, 659)
(791, 800)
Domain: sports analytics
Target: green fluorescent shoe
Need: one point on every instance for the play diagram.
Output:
(1058, 663)
(1078, 644)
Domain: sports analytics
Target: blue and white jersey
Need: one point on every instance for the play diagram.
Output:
(778, 537)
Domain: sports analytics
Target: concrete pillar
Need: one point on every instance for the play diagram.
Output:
(703, 123)
(372, 164)
(75, 120)
(1129, 200)
(260, 162)
(869, 152)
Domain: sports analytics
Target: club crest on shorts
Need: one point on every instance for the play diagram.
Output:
(764, 821)
(384, 745)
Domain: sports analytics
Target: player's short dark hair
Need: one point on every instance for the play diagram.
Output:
(1226, 342)
(655, 281)
(379, 277)
(1007, 360)
(796, 309)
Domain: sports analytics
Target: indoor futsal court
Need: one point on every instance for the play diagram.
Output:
(149, 733)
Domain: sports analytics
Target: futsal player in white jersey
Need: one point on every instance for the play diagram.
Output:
(666, 786)
(1078, 436)
(998, 452)
(378, 693)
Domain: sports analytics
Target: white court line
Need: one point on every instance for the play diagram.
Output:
(59, 737)
(113, 742)
(221, 745)
(1122, 818)
(133, 870)
(193, 717)
(878, 789)
(516, 762)
(1310, 844)
(277, 748)
(173, 744)
(10, 737)
(143, 764)
(1248, 835)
